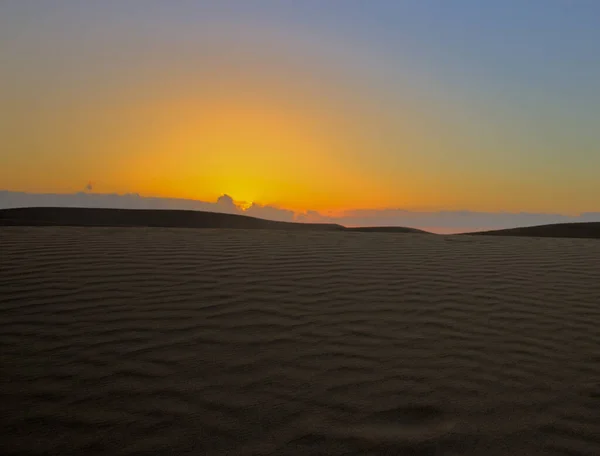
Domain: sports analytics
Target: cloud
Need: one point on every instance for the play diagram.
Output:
(443, 221)
(456, 221)
(440, 221)
(226, 204)
(312, 217)
(10, 199)
(270, 213)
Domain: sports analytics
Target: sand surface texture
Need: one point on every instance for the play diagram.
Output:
(232, 342)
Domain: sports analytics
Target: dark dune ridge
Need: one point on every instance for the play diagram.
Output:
(387, 229)
(73, 216)
(161, 218)
(589, 230)
(126, 341)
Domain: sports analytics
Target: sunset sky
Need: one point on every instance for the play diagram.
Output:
(324, 105)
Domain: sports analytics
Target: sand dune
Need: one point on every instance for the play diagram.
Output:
(78, 216)
(386, 229)
(75, 216)
(124, 341)
(566, 230)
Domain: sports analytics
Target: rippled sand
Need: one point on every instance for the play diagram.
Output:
(232, 342)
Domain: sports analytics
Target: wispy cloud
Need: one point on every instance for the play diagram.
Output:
(271, 213)
(440, 221)
(449, 221)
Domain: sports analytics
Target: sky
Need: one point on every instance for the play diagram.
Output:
(311, 107)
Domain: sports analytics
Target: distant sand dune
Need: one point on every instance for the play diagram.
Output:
(158, 218)
(568, 230)
(78, 216)
(124, 341)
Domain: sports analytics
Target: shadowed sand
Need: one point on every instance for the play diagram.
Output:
(124, 341)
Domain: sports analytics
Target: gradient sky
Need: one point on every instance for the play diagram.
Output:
(312, 104)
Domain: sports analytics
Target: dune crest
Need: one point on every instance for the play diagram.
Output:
(79, 216)
(589, 230)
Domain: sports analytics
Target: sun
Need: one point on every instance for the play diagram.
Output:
(244, 205)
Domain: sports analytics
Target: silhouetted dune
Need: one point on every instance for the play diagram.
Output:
(387, 229)
(160, 218)
(559, 230)
(73, 216)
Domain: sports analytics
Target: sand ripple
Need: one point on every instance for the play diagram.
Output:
(222, 342)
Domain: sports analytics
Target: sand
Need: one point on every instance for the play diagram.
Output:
(123, 341)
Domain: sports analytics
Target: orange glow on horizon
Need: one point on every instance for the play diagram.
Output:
(283, 111)
(275, 151)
